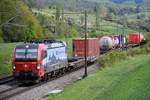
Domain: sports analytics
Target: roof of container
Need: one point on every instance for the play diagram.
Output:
(135, 33)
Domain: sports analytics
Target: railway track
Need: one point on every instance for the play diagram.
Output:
(10, 91)
(6, 79)
(15, 88)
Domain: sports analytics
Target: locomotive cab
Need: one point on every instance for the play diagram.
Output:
(27, 62)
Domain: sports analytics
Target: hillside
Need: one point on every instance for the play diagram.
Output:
(132, 14)
(126, 80)
(90, 4)
(17, 23)
(105, 27)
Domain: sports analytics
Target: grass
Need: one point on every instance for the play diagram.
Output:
(126, 80)
(5, 57)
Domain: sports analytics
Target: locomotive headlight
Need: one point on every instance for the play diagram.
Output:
(76, 55)
(14, 67)
(38, 66)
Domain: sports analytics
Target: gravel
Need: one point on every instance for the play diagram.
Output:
(41, 92)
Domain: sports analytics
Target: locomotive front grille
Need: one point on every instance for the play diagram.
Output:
(26, 76)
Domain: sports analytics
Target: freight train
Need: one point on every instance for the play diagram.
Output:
(119, 41)
(40, 59)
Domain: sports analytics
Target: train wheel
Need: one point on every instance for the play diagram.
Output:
(57, 73)
(63, 70)
(66, 69)
(52, 74)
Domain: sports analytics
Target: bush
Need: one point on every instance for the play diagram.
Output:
(1, 37)
(1, 40)
(112, 57)
(116, 56)
(147, 35)
(94, 34)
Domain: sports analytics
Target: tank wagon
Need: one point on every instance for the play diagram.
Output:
(122, 41)
(106, 43)
(116, 41)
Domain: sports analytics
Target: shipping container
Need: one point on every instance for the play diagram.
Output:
(136, 38)
(92, 45)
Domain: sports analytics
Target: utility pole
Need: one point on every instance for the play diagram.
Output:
(85, 38)
(85, 46)
(101, 25)
(57, 14)
(97, 17)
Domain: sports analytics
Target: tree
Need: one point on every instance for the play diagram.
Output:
(16, 20)
(1, 37)
(58, 14)
(103, 10)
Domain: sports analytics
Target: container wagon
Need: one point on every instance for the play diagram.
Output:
(92, 50)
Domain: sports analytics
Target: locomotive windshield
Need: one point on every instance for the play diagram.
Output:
(26, 54)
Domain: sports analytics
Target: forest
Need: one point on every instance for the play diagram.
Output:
(18, 22)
